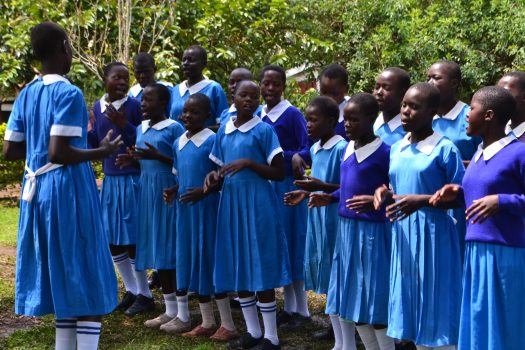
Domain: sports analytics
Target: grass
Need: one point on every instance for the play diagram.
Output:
(8, 226)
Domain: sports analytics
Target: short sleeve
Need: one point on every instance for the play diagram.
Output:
(69, 114)
(216, 154)
(453, 164)
(175, 168)
(271, 145)
(15, 131)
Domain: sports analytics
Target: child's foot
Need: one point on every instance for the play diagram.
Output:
(176, 325)
(141, 304)
(224, 335)
(127, 300)
(283, 317)
(200, 331)
(266, 344)
(246, 341)
(297, 322)
(158, 321)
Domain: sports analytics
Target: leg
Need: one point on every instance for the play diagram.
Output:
(348, 331)
(141, 277)
(269, 314)
(227, 329)
(301, 299)
(368, 336)
(123, 264)
(338, 335)
(167, 280)
(66, 334)
(384, 341)
(88, 332)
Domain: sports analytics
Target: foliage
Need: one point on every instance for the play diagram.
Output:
(10, 172)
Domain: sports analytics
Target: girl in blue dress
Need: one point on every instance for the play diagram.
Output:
(197, 219)
(63, 264)
(251, 253)
(358, 290)
(425, 273)
(290, 127)
(156, 224)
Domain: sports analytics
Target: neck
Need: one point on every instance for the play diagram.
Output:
(114, 98)
(195, 131)
(389, 115)
(420, 135)
(364, 140)
(327, 137)
(446, 105)
(271, 105)
(194, 80)
(517, 119)
(157, 118)
(52, 67)
(493, 135)
(242, 118)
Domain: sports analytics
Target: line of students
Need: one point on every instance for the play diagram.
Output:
(383, 235)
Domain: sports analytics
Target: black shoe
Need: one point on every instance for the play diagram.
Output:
(154, 281)
(283, 317)
(141, 304)
(297, 322)
(406, 346)
(246, 341)
(127, 300)
(324, 334)
(234, 303)
(265, 344)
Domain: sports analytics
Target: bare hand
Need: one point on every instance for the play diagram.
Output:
(295, 197)
(319, 199)
(361, 203)
(192, 196)
(118, 118)
(91, 121)
(111, 146)
(146, 153)
(405, 206)
(447, 194)
(125, 159)
(170, 193)
(382, 195)
(299, 166)
(212, 180)
(481, 209)
(234, 167)
(310, 184)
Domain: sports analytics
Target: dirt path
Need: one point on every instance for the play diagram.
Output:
(9, 251)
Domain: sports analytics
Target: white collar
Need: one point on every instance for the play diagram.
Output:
(393, 123)
(117, 104)
(159, 126)
(453, 113)
(425, 146)
(276, 111)
(363, 152)
(232, 108)
(197, 139)
(328, 144)
(135, 90)
(517, 131)
(342, 108)
(491, 150)
(230, 127)
(183, 87)
(49, 79)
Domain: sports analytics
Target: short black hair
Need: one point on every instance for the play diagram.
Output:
(335, 71)
(519, 76)
(454, 70)
(144, 58)
(367, 103)
(275, 68)
(499, 100)
(201, 52)
(46, 39)
(244, 71)
(431, 93)
(162, 91)
(326, 106)
(202, 100)
(242, 82)
(403, 78)
(107, 68)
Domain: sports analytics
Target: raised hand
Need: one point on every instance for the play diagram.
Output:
(111, 146)
(308, 183)
(118, 118)
(481, 209)
(446, 194)
(295, 197)
(361, 203)
(150, 152)
(319, 199)
(298, 166)
(125, 159)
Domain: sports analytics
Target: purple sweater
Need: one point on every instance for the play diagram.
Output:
(503, 174)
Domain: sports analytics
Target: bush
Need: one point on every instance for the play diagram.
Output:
(10, 172)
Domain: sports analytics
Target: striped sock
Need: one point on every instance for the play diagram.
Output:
(65, 334)
(269, 314)
(123, 265)
(249, 311)
(88, 334)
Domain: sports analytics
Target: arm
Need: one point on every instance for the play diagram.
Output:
(274, 171)
(14, 150)
(61, 152)
(151, 153)
(311, 184)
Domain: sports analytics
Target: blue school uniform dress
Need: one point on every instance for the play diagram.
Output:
(518, 132)
(391, 131)
(210, 88)
(120, 187)
(136, 93)
(156, 231)
(340, 127)
(251, 252)
(360, 273)
(63, 264)
(492, 309)
(323, 222)
(196, 223)
(231, 112)
(290, 126)
(425, 274)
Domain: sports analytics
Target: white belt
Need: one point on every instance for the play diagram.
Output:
(30, 187)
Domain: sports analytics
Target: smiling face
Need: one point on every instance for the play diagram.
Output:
(193, 63)
(246, 98)
(356, 123)
(272, 87)
(387, 92)
(440, 76)
(415, 112)
(150, 105)
(117, 82)
(332, 88)
(194, 116)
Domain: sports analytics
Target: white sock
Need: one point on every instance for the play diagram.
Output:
(226, 313)
(184, 309)
(348, 331)
(384, 341)
(368, 336)
(301, 299)
(66, 334)
(141, 278)
(88, 334)
(338, 335)
(422, 347)
(123, 265)
(290, 304)
(208, 321)
(249, 311)
(171, 304)
(269, 314)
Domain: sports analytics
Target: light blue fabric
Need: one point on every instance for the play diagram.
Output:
(390, 136)
(227, 114)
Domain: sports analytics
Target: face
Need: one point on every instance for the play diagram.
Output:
(439, 76)
(415, 113)
(476, 118)
(332, 88)
(144, 73)
(150, 104)
(316, 124)
(192, 63)
(235, 77)
(193, 115)
(246, 98)
(117, 82)
(272, 87)
(511, 84)
(356, 123)
(387, 92)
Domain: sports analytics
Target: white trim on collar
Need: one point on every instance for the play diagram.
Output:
(363, 152)
(425, 146)
(49, 79)
(341, 109)
(183, 87)
(232, 108)
(276, 112)
(493, 148)
(328, 144)
(250, 124)
(453, 113)
(392, 124)
(197, 139)
(135, 90)
(159, 126)
(517, 131)
(104, 103)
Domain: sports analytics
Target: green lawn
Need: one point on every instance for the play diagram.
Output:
(8, 226)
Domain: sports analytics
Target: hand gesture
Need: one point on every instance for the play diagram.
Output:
(91, 121)
(193, 195)
(298, 166)
(234, 167)
(405, 205)
(118, 118)
(294, 197)
(111, 146)
(481, 209)
(125, 159)
(382, 195)
(212, 180)
(146, 153)
(170, 193)
(310, 184)
(361, 203)
(319, 199)
(447, 194)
